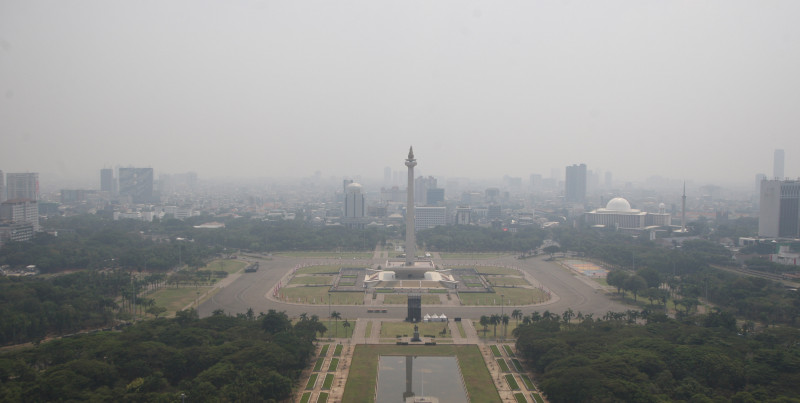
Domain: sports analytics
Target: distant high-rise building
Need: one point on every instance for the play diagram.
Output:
(463, 215)
(429, 217)
(136, 183)
(387, 176)
(492, 194)
(107, 180)
(354, 208)
(575, 184)
(779, 209)
(777, 165)
(22, 186)
(759, 178)
(421, 186)
(435, 196)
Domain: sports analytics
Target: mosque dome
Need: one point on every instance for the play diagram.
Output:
(618, 204)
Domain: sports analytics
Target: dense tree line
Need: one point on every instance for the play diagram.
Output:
(219, 359)
(33, 308)
(703, 359)
(468, 238)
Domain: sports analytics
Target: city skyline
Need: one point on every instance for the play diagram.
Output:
(677, 90)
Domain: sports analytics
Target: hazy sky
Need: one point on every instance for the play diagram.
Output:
(703, 90)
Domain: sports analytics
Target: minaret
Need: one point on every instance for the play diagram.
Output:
(411, 242)
(683, 209)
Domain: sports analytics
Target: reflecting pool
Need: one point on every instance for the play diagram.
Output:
(400, 377)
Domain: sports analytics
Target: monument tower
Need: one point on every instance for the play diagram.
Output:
(411, 242)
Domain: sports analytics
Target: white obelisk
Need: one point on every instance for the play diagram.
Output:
(411, 242)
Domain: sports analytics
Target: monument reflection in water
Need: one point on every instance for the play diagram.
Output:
(403, 379)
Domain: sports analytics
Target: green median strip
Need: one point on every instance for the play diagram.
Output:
(312, 381)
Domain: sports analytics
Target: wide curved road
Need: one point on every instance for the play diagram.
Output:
(250, 290)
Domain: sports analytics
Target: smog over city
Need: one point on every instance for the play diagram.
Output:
(405, 201)
(260, 89)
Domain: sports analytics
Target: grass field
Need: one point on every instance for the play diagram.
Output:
(313, 280)
(338, 351)
(513, 296)
(461, 330)
(467, 256)
(512, 383)
(537, 398)
(306, 397)
(318, 364)
(392, 329)
(369, 329)
(319, 296)
(403, 299)
(324, 351)
(227, 265)
(520, 398)
(517, 365)
(498, 270)
(323, 397)
(312, 381)
(330, 254)
(527, 381)
(506, 281)
(495, 351)
(333, 365)
(503, 366)
(319, 270)
(508, 349)
(364, 370)
(175, 299)
(326, 384)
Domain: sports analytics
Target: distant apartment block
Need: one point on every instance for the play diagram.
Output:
(575, 184)
(107, 180)
(428, 217)
(22, 186)
(19, 211)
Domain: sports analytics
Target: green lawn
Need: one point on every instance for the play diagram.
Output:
(512, 383)
(338, 351)
(325, 269)
(466, 256)
(461, 331)
(227, 265)
(512, 296)
(508, 350)
(312, 381)
(537, 398)
(326, 385)
(324, 351)
(175, 299)
(495, 351)
(334, 364)
(517, 365)
(306, 397)
(528, 382)
(392, 329)
(323, 397)
(503, 366)
(313, 280)
(337, 329)
(318, 364)
(520, 398)
(364, 370)
(319, 296)
(330, 254)
(498, 270)
(506, 281)
(369, 329)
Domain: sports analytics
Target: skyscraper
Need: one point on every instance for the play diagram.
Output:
(136, 183)
(107, 180)
(777, 165)
(575, 184)
(779, 209)
(411, 242)
(354, 208)
(22, 186)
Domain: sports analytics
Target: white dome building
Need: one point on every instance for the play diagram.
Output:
(619, 214)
